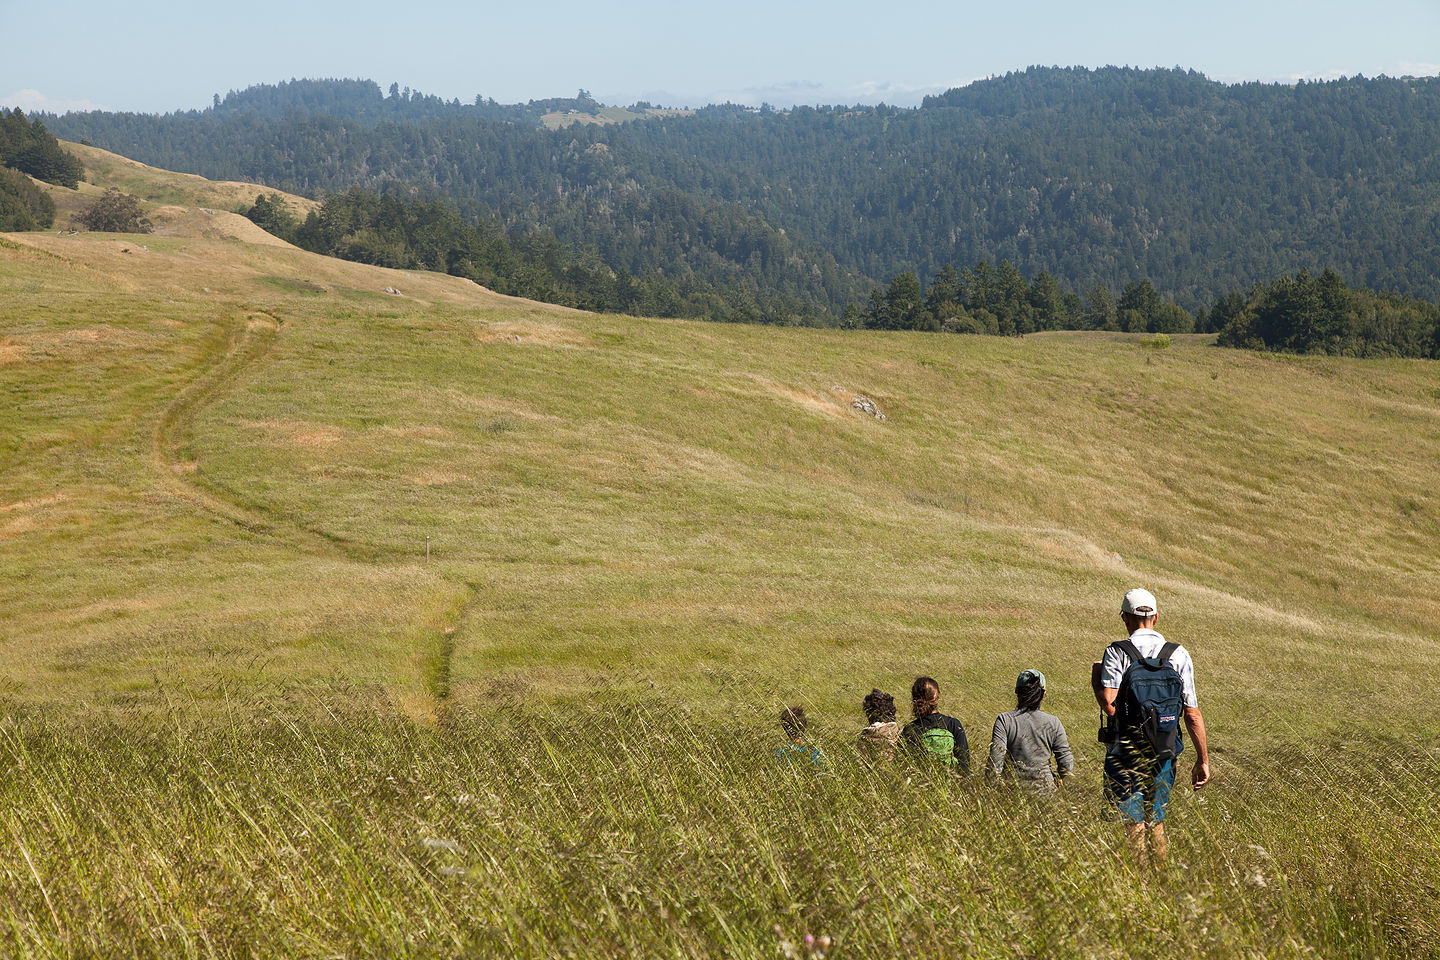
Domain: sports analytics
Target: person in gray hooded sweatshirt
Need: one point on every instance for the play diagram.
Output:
(1028, 737)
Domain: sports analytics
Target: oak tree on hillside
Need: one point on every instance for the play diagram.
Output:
(114, 212)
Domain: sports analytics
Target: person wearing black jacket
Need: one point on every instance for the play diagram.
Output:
(932, 733)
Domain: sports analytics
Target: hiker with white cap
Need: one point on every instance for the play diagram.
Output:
(1028, 737)
(1144, 683)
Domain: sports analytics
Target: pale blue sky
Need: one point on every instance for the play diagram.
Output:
(160, 55)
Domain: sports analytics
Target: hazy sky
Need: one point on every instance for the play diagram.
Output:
(159, 55)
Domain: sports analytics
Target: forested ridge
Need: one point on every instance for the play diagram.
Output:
(393, 231)
(566, 183)
(1093, 177)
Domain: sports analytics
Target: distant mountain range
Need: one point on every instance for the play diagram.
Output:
(1100, 177)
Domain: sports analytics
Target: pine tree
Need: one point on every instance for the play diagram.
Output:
(1100, 313)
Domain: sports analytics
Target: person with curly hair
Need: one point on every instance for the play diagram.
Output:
(879, 739)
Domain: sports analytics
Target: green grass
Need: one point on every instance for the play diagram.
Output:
(219, 466)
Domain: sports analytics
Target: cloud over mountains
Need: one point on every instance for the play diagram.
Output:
(33, 101)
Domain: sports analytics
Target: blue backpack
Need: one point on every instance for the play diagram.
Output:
(1151, 695)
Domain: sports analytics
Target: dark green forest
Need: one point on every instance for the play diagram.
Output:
(998, 300)
(28, 149)
(1303, 313)
(1093, 177)
(392, 231)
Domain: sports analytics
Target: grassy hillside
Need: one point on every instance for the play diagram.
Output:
(177, 203)
(604, 116)
(692, 493)
(243, 706)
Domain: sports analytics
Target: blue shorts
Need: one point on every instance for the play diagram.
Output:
(1139, 787)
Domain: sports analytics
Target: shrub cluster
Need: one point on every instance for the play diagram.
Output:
(114, 212)
(23, 206)
(1309, 314)
(999, 300)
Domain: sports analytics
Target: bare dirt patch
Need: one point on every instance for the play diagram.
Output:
(813, 401)
(661, 456)
(299, 433)
(106, 608)
(23, 516)
(1065, 545)
(508, 409)
(521, 332)
(424, 432)
(21, 506)
(16, 526)
(69, 345)
(316, 438)
(82, 335)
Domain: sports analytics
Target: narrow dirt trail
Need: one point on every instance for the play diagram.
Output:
(441, 669)
(250, 342)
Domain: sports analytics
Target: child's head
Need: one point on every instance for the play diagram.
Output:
(879, 707)
(793, 722)
(924, 697)
(1029, 689)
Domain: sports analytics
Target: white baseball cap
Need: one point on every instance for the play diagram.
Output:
(1140, 602)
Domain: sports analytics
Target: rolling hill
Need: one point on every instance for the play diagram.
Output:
(281, 548)
(178, 204)
(1100, 177)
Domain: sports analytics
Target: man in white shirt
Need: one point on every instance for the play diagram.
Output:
(1137, 782)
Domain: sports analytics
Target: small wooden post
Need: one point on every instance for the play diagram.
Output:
(427, 546)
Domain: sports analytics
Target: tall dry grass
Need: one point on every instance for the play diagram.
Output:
(628, 831)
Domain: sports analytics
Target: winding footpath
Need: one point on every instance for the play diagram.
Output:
(250, 342)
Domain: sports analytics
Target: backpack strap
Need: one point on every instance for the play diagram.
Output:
(1167, 651)
(1129, 649)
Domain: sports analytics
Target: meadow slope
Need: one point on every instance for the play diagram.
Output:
(224, 464)
(178, 204)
